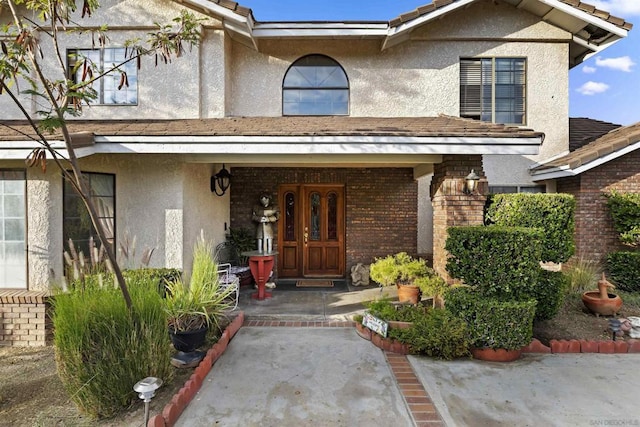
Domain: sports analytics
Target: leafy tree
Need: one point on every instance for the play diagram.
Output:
(31, 40)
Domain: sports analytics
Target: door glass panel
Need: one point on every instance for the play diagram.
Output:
(314, 232)
(332, 216)
(289, 217)
(13, 262)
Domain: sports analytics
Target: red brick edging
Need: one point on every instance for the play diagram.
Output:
(181, 399)
(584, 346)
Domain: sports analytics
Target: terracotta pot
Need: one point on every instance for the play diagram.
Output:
(496, 355)
(408, 293)
(602, 306)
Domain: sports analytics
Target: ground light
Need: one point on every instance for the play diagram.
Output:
(146, 389)
(615, 326)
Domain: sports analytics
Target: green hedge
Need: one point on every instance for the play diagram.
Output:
(553, 213)
(624, 270)
(492, 322)
(625, 212)
(549, 292)
(498, 261)
(438, 334)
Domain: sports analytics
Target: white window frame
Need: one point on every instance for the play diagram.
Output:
(102, 58)
(13, 275)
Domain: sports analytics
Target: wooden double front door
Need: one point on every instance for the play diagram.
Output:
(311, 230)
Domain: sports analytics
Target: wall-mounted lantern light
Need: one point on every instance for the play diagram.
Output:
(221, 181)
(471, 182)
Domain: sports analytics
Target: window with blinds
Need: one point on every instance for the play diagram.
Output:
(493, 89)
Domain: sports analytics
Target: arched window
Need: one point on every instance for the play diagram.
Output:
(315, 85)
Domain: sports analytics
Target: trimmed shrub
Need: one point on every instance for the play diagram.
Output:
(499, 261)
(624, 270)
(625, 212)
(549, 292)
(438, 334)
(102, 349)
(491, 322)
(384, 309)
(553, 213)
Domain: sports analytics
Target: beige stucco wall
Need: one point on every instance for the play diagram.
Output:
(164, 203)
(421, 77)
(165, 91)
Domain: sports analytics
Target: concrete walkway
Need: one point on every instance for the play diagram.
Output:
(324, 376)
(298, 377)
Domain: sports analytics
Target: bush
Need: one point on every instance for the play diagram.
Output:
(156, 277)
(493, 323)
(102, 349)
(625, 212)
(384, 309)
(498, 261)
(549, 293)
(438, 334)
(553, 213)
(582, 274)
(624, 270)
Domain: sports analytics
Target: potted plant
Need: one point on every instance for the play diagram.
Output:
(403, 271)
(192, 308)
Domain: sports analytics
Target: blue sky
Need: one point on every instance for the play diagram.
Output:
(605, 87)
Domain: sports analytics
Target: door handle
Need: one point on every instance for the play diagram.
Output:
(306, 238)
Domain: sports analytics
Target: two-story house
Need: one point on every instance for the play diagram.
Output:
(362, 132)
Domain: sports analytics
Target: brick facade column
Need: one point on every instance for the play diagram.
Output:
(451, 206)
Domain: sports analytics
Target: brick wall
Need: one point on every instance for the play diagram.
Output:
(451, 206)
(381, 204)
(25, 318)
(595, 236)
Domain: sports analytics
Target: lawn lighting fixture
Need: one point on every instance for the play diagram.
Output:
(146, 389)
(471, 182)
(221, 180)
(615, 325)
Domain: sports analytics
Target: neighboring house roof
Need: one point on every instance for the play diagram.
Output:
(592, 29)
(608, 147)
(583, 130)
(286, 135)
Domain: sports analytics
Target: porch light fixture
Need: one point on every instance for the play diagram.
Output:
(471, 182)
(221, 180)
(146, 389)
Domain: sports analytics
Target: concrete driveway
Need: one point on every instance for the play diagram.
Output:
(537, 390)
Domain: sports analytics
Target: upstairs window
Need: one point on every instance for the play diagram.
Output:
(493, 90)
(315, 85)
(112, 88)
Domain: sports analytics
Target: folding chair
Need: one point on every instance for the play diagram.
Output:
(229, 280)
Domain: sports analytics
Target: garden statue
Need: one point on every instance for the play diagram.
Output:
(360, 275)
(265, 214)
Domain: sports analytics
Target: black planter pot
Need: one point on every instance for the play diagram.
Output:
(189, 340)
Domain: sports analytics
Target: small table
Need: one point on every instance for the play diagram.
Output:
(261, 265)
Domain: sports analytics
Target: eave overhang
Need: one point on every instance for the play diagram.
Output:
(591, 29)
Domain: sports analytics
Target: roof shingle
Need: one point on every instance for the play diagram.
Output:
(441, 126)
